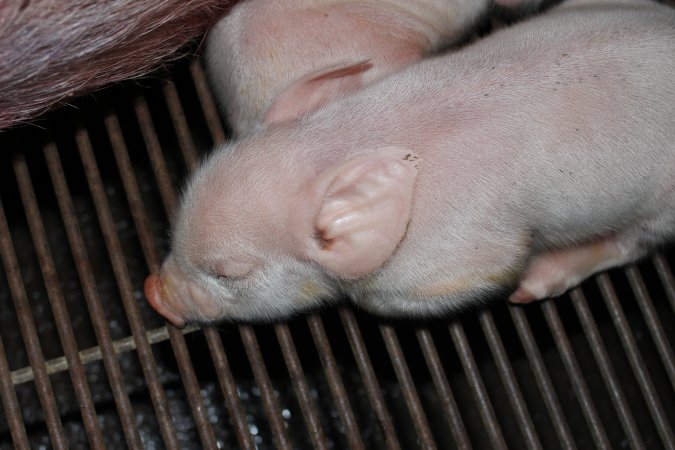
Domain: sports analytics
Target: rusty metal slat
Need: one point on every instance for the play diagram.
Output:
(207, 103)
(450, 410)
(636, 361)
(666, 275)
(154, 152)
(213, 340)
(119, 149)
(335, 384)
(508, 378)
(270, 404)
(30, 335)
(10, 403)
(475, 381)
(115, 253)
(59, 310)
(542, 377)
(369, 379)
(94, 305)
(192, 389)
(229, 388)
(654, 324)
(300, 386)
(602, 359)
(185, 142)
(407, 387)
(575, 375)
(142, 224)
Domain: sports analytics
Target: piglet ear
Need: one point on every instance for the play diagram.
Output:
(316, 89)
(365, 209)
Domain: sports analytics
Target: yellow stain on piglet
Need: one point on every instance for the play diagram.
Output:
(507, 278)
(446, 288)
(310, 291)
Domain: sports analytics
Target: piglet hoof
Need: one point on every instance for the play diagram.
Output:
(522, 296)
(531, 290)
(549, 275)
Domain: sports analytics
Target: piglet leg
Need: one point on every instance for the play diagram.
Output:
(551, 274)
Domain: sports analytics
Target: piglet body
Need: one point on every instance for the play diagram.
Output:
(296, 55)
(529, 160)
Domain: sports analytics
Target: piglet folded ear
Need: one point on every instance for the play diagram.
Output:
(316, 89)
(365, 208)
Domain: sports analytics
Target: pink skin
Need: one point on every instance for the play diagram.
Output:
(265, 51)
(528, 160)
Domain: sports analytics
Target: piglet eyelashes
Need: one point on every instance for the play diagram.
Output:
(234, 269)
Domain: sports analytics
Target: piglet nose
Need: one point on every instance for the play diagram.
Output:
(156, 297)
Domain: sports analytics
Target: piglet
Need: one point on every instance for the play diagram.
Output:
(293, 56)
(529, 160)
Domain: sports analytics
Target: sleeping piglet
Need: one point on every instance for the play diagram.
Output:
(528, 160)
(307, 52)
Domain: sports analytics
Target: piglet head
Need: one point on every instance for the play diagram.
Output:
(260, 238)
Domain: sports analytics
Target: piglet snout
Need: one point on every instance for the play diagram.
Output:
(157, 297)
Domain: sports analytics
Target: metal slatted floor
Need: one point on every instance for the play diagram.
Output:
(85, 201)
